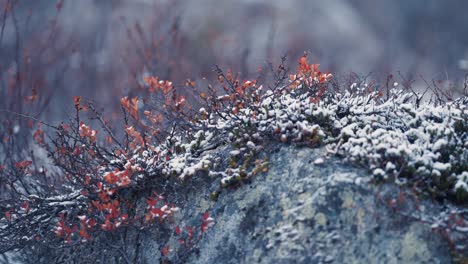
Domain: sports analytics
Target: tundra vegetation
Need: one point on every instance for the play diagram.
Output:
(90, 185)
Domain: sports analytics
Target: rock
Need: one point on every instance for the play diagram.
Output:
(302, 212)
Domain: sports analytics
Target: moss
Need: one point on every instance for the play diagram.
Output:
(179, 149)
(461, 196)
(232, 162)
(460, 126)
(215, 195)
(263, 167)
(247, 161)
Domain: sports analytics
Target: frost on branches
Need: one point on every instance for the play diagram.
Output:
(114, 178)
(425, 145)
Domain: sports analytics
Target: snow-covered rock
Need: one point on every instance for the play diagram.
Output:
(302, 212)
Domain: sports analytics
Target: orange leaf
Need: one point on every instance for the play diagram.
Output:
(77, 101)
(131, 106)
(39, 136)
(189, 82)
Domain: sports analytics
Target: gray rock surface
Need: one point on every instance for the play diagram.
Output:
(305, 211)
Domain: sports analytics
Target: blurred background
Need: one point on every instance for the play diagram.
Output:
(100, 49)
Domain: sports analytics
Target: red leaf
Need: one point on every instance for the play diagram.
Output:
(84, 234)
(23, 164)
(151, 201)
(124, 217)
(177, 230)
(92, 222)
(165, 250)
(205, 216)
(190, 232)
(107, 226)
(25, 206)
(157, 212)
(206, 222)
(8, 216)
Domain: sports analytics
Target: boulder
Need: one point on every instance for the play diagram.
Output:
(307, 208)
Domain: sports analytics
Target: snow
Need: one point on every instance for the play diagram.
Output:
(319, 161)
(441, 166)
(462, 182)
(386, 136)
